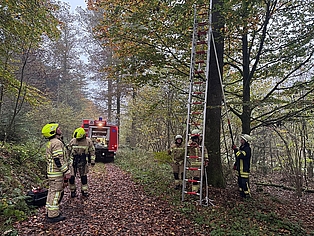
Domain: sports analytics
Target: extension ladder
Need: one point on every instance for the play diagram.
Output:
(199, 66)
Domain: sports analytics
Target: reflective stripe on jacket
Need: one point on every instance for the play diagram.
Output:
(55, 149)
(243, 160)
(79, 147)
(195, 150)
(177, 152)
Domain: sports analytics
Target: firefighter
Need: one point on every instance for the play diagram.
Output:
(242, 164)
(195, 150)
(81, 152)
(176, 152)
(57, 170)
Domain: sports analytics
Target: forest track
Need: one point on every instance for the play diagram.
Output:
(116, 206)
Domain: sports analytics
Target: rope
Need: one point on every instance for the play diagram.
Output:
(222, 90)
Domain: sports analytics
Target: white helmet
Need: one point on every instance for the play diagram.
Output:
(195, 132)
(246, 137)
(178, 136)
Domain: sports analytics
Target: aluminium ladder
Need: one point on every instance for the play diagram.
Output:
(199, 68)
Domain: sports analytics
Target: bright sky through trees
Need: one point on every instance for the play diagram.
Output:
(76, 3)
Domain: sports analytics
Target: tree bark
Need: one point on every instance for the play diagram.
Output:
(214, 101)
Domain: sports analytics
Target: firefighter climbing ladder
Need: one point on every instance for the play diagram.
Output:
(199, 67)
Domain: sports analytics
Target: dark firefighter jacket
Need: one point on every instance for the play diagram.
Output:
(243, 160)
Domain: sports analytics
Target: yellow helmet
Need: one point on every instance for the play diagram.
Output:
(79, 133)
(49, 130)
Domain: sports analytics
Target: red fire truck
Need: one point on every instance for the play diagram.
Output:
(104, 137)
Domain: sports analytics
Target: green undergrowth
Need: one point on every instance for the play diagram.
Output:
(252, 217)
(22, 167)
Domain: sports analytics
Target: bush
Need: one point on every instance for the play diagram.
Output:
(21, 168)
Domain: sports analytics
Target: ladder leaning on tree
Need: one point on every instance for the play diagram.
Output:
(199, 72)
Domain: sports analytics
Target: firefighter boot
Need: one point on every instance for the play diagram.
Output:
(73, 194)
(55, 219)
(177, 184)
(85, 194)
(176, 181)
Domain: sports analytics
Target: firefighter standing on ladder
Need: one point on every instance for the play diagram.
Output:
(176, 152)
(81, 152)
(57, 170)
(194, 149)
(242, 164)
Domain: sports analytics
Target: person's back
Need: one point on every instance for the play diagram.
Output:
(81, 151)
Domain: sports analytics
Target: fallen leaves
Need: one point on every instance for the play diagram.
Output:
(116, 206)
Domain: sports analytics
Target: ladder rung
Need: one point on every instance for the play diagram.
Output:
(199, 72)
(198, 82)
(192, 180)
(195, 124)
(200, 61)
(195, 157)
(203, 13)
(198, 92)
(202, 32)
(202, 23)
(201, 42)
(196, 113)
(197, 103)
(192, 193)
(200, 52)
(193, 168)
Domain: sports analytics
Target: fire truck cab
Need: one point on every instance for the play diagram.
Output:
(104, 137)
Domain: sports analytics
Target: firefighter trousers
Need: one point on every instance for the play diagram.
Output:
(177, 169)
(196, 175)
(54, 197)
(244, 187)
(82, 170)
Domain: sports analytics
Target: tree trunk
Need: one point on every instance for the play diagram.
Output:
(246, 123)
(214, 101)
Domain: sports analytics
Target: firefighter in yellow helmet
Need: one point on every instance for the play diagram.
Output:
(57, 170)
(242, 164)
(81, 152)
(195, 154)
(176, 152)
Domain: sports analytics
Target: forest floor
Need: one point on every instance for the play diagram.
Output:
(119, 206)
(116, 206)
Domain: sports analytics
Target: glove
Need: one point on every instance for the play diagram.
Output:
(206, 162)
(234, 147)
(67, 174)
(235, 166)
(65, 182)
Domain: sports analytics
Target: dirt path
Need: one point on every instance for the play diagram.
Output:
(116, 206)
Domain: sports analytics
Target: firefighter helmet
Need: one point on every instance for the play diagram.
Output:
(195, 132)
(178, 136)
(79, 133)
(49, 130)
(246, 137)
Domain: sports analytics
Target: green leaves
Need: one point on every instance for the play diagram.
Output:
(146, 37)
(23, 24)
